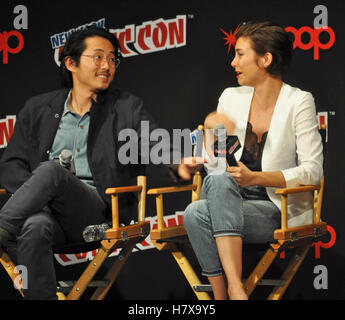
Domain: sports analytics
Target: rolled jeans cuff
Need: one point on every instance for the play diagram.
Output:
(212, 273)
(228, 233)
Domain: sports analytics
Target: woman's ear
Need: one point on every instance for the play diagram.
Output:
(267, 59)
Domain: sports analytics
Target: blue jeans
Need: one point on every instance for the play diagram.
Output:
(221, 211)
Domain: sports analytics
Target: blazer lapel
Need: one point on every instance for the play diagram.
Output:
(276, 126)
(56, 106)
(242, 106)
(99, 114)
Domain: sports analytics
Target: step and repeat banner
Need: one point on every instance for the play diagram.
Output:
(176, 57)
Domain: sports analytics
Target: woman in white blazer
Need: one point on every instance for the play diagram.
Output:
(280, 147)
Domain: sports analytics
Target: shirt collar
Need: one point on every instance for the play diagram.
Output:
(67, 109)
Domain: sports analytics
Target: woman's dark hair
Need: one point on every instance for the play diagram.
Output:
(75, 46)
(269, 37)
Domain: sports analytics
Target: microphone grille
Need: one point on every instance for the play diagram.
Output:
(66, 156)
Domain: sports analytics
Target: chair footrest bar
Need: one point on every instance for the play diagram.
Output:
(270, 282)
(262, 282)
(202, 288)
(67, 285)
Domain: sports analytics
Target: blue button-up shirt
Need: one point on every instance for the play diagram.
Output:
(72, 135)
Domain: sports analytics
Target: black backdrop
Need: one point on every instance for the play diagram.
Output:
(179, 86)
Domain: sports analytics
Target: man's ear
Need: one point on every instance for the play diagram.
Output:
(70, 63)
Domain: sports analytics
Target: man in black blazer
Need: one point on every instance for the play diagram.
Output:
(51, 206)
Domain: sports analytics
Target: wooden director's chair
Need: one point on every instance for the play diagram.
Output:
(170, 238)
(116, 237)
(299, 239)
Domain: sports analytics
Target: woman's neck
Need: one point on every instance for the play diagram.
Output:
(267, 92)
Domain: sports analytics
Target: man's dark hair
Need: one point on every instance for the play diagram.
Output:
(75, 46)
(270, 37)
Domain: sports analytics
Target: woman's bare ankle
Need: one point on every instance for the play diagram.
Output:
(237, 292)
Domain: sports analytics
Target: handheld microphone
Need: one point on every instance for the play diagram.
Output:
(226, 146)
(232, 145)
(66, 160)
(194, 137)
(197, 139)
(219, 131)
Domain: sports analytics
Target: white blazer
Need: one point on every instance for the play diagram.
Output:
(293, 144)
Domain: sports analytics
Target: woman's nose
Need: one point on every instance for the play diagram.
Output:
(233, 63)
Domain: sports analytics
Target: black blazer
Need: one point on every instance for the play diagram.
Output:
(36, 127)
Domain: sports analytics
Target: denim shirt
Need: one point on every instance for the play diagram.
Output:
(72, 135)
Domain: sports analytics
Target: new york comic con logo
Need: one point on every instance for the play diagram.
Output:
(305, 38)
(147, 37)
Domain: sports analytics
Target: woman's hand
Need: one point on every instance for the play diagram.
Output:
(210, 122)
(243, 176)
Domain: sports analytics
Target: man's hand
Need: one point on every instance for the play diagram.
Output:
(189, 166)
(243, 176)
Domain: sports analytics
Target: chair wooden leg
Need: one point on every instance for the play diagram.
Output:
(80, 286)
(115, 269)
(61, 296)
(188, 272)
(290, 271)
(259, 271)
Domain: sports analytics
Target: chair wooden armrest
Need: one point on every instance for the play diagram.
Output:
(114, 192)
(123, 189)
(195, 187)
(161, 232)
(158, 192)
(3, 191)
(302, 231)
(164, 190)
(283, 191)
